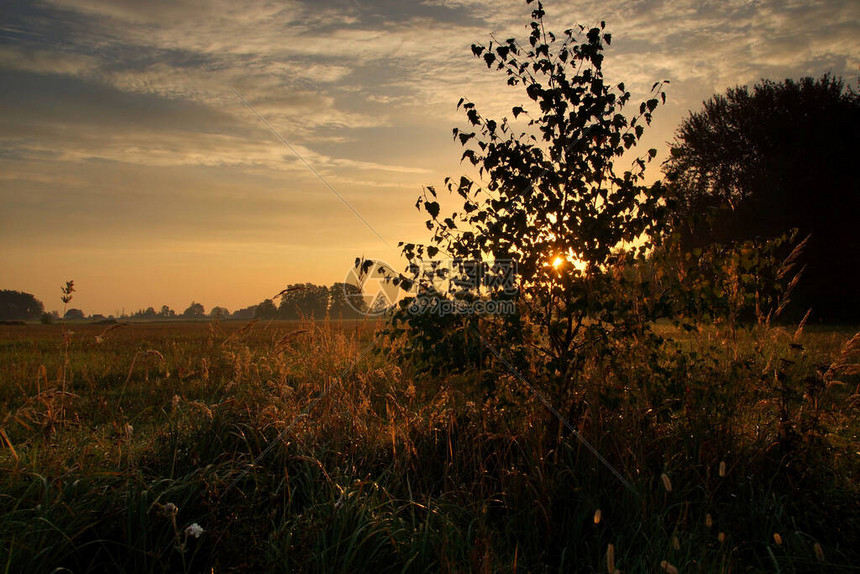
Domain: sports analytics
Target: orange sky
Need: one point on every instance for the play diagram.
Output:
(128, 165)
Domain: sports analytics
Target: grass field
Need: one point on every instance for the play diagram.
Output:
(309, 447)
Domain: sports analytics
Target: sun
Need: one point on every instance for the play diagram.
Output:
(557, 262)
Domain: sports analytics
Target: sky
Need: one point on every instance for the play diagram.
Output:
(130, 164)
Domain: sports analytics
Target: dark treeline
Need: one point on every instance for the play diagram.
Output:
(306, 300)
(300, 300)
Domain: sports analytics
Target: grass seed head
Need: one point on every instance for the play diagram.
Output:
(676, 544)
(708, 520)
(597, 515)
(777, 538)
(667, 484)
(668, 567)
(169, 509)
(722, 468)
(819, 552)
(610, 559)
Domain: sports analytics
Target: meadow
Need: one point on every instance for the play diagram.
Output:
(313, 447)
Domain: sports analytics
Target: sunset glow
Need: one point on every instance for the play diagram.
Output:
(159, 153)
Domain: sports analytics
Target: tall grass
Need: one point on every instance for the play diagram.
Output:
(741, 452)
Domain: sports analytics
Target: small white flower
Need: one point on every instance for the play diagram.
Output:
(194, 530)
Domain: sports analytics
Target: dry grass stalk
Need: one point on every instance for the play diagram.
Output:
(240, 332)
(788, 262)
(9, 443)
(145, 353)
(799, 331)
(101, 336)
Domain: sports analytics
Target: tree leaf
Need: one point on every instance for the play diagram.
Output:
(432, 208)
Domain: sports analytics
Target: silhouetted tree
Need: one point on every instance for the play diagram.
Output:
(266, 310)
(306, 300)
(74, 314)
(194, 311)
(245, 313)
(219, 313)
(148, 313)
(345, 301)
(166, 312)
(757, 163)
(18, 306)
(552, 223)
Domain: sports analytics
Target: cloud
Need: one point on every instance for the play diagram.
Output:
(321, 74)
(161, 148)
(46, 61)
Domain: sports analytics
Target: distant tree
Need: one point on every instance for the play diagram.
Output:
(245, 313)
(266, 310)
(166, 312)
(74, 314)
(194, 311)
(303, 300)
(346, 301)
(757, 163)
(219, 313)
(148, 313)
(18, 306)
